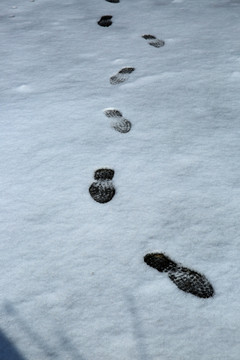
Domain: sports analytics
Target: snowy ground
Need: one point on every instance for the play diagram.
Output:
(73, 281)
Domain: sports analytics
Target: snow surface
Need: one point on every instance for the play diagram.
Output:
(73, 281)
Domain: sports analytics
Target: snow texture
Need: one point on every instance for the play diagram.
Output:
(74, 285)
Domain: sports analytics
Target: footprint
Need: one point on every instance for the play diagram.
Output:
(102, 190)
(187, 280)
(120, 123)
(113, 1)
(152, 40)
(121, 76)
(105, 20)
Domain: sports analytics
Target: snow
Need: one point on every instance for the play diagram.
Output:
(73, 281)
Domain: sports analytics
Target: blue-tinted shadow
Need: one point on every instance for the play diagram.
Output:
(7, 349)
(65, 344)
(138, 332)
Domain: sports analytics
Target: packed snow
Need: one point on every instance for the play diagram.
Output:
(74, 285)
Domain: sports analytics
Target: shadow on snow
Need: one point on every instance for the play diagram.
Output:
(7, 349)
(65, 345)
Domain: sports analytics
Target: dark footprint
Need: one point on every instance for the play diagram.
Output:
(102, 190)
(113, 1)
(105, 20)
(152, 40)
(187, 280)
(120, 123)
(121, 76)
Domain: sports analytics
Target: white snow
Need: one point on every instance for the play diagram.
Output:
(73, 281)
